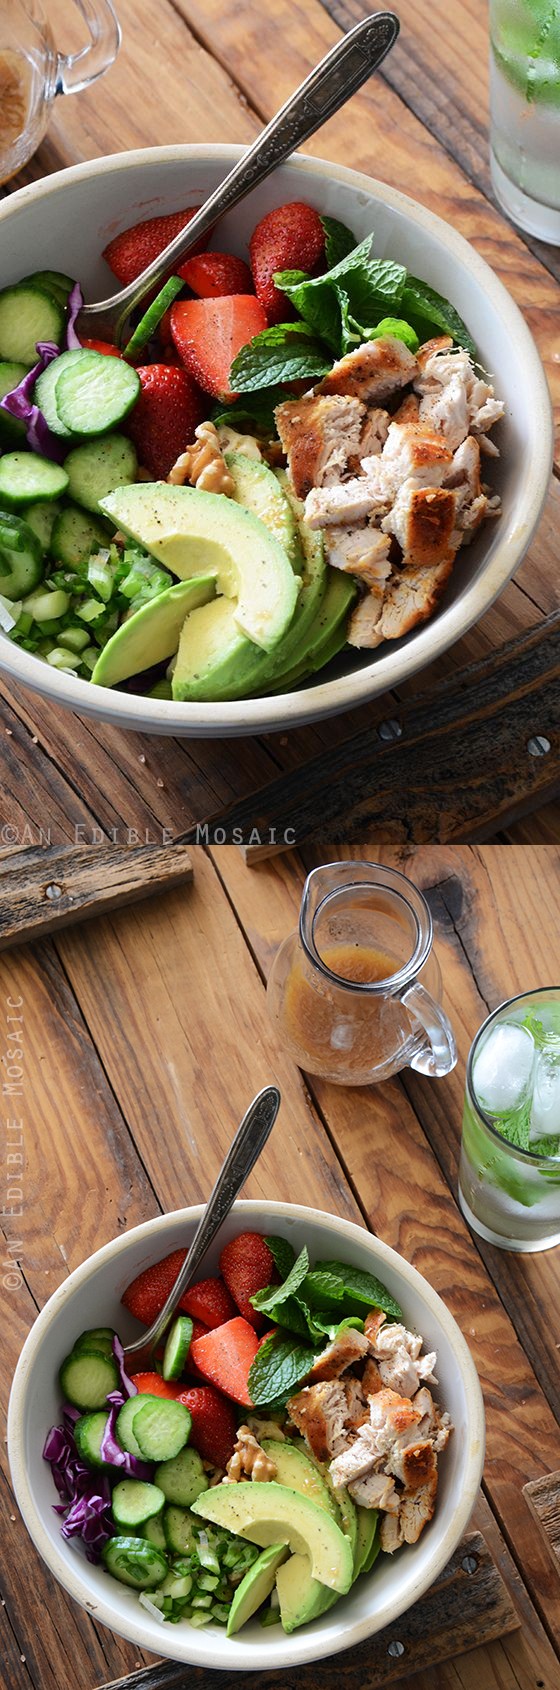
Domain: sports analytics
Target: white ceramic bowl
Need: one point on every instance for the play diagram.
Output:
(91, 1296)
(64, 221)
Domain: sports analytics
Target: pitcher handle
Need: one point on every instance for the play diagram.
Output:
(75, 71)
(437, 1055)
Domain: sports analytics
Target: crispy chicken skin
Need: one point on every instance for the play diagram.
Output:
(372, 372)
(319, 435)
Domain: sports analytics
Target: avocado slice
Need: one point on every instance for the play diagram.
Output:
(197, 533)
(329, 634)
(365, 1539)
(270, 1513)
(215, 660)
(295, 1469)
(373, 1552)
(255, 1586)
(152, 633)
(302, 1597)
(260, 491)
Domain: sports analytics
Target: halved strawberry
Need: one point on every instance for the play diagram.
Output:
(165, 416)
(291, 237)
(214, 1426)
(209, 1301)
(213, 274)
(131, 251)
(103, 346)
(146, 1294)
(225, 1355)
(153, 1385)
(247, 1266)
(208, 334)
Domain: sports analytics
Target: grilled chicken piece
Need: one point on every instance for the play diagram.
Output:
(464, 476)
(350, 1346)
(400, 1363)
(422, 519)
(364, 625)
(319, 435)
(453, 396)
(351, 502)
(363, 552)
(319, 1412)
(413, 452)
(390, 1533)
(375, 1490)
(372, 372)
(412, 597)
(440, 343)
(375, 428)
(408, 410)
(417, 1508)
(357, 1406)
(373, 1323)
(390, 1415)
(371, 1378)
(414, 1464)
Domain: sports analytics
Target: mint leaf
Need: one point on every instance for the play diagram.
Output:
(297, 1317)
(362, 1287)
(278, 1368)
(332, 1328)
(273, 1296)
(320, 1289)
(422, 305)
(339, 241)
(284, 1255)
(397, 327)
(316, 299)
(284, 352)
(255, 412)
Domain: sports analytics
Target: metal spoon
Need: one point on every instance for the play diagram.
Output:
(338, 75)
(243, 1152)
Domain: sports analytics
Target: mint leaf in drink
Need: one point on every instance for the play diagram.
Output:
(515, 1125)
(284, 352)
(284, 1255)
(279, 1367)
(362, 1288)
(339, 241)
(427, 310)
(271, 1299)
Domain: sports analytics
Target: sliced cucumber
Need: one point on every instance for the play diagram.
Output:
(133, 1561)
(162, 1428)
(99, 1337)
(75, 536)
(97, 469)
(21, 558)
(134, 1501)
(93, 393)
(179, 1530)
(177, 1347)
(28, 314)
(154, 1533)
(124, 1427)
(53, 282)
(88, 1432)
(87, 1378)
(25, 478)
(152, 317)
(41, 519)
(182, 1479)
(44, 394)
(12, 429)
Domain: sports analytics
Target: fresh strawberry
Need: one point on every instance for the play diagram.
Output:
(153, 1385)
(225, 1355)
(199, 1330)
(247, 1266)
(208, 333)
(146, 1294)
(130, 252)
(214, 1427)
(209, 1300)
(103, 346)
(289, 238)
(212, 274)
(165, 416)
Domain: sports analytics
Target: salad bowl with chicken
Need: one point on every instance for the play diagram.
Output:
(318, 459)
(291, 1473)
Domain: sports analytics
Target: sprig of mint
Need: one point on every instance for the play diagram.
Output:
(284, 352)
(425, 308)
(361, 1287)
(283, 1253)
(279, 1367)
(339, 241)
(254, 412)
(272, 1297)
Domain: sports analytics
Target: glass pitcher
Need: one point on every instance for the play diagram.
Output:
(355, 995)
(32, 72)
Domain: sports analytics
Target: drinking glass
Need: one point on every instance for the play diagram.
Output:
(525, 112)
(510, 1192)
(355, 993)
(32, 71)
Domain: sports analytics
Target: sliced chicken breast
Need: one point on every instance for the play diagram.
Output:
(372, 372)
(423, 521)
(412, 596)
(360, 551)
(319, 435)
(319, 1412)
(350, 1346)
(364, 625)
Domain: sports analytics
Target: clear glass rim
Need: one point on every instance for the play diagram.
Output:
(531, 1156)
(393, 881)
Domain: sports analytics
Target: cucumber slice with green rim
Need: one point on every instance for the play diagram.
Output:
(94, 393)
(124, 1427)
(99, 1337)
(87, 1378)
(134, 1501)
(41, 519)
(182, 1478)
(177, 1347)
(53, 282)
(88, 1433)
(152, 317)
(75, 536)
(162, 1428)
(154, 1533)
(25, 478)
(44, 395)
(12, 429)
(179, 1531)
(97, 469)
(28, 314)
(21, 558)
(133, 1561)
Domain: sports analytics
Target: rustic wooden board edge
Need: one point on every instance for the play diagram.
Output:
(543, 1498)
(468, 1605)
(44, 888)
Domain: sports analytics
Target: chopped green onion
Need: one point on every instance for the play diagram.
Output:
(75, 638)
(90, 610)
(60, 659)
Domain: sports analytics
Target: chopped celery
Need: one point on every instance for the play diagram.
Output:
(201, 1602)
(101, 575)
(207, 1581)
(89, 657)
(220, 1613)
(198, 1619)
(24, 622)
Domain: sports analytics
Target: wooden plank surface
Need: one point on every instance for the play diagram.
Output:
(47, 888)
(543, 1497)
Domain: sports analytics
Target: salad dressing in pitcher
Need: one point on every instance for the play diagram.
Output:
(320, 1027)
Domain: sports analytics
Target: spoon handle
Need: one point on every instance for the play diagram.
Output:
(250, 1138)
(343, 70)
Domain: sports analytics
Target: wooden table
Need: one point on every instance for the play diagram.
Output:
(421, 126)
(145, 1034)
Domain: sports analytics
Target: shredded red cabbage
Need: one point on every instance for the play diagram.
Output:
(111, 1452)
(75, 302)
(127, 1387)
(85, 1496)
(19, 403)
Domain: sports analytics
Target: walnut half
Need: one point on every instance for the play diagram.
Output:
(249, 1460)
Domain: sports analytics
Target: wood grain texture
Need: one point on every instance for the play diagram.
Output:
(481, 722)
(43, 889)
(543, 1497)
(468, 1605)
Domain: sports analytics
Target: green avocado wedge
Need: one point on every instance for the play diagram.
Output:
(302, 1597)
(366, 1535)
(152, 633)
(261, 492)
(295, 1469)
(271, 1514)
(197, 533)
(215, 660)
(255, 1586)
